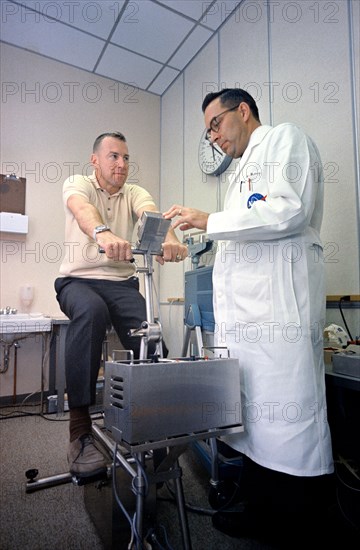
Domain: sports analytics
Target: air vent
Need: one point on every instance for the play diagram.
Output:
(117, 391)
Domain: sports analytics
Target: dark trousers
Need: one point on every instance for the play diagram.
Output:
(292, 511)
(92, 306)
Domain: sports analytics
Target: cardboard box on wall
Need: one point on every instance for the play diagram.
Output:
(12, 194)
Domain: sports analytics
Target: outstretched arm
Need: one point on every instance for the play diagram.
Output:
(187, 218)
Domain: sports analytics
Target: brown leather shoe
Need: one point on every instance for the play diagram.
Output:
(84, 458)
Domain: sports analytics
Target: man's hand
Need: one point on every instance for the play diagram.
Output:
(115, 248)
(173, 251)
(188, 218)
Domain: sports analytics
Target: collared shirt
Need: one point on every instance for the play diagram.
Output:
(118, 211)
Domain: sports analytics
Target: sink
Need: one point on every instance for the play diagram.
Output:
(16, 323)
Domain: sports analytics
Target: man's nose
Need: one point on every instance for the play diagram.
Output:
(120, 161)
(214, 136)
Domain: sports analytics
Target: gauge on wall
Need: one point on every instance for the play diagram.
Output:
(212, 160)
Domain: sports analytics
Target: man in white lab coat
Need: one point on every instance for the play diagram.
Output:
(269, 307)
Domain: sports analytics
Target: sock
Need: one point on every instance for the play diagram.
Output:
(80, 422)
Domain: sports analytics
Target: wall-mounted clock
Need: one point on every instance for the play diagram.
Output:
(212, 160)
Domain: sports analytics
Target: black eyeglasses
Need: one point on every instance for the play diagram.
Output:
(215, 122)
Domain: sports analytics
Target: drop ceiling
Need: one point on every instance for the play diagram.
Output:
(142, 43)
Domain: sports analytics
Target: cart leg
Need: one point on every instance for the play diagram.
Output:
(180, 501)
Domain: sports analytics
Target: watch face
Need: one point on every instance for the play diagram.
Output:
(212, 160)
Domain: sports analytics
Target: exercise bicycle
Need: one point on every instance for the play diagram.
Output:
(156, 405)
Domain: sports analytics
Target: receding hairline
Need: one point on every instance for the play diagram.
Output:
(101, 137)
(229, 97)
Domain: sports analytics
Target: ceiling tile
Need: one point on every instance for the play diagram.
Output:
(190, 47)
(192, 9)
(97, 18)
(163, 81)
(52, 39)
(152, 30)
(219, 12)
(127, 67)
(150, 33)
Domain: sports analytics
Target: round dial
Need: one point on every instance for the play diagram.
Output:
(212, 160)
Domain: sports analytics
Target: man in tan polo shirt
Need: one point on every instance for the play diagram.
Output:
(96, 289)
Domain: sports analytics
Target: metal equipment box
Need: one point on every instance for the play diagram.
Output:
(345, 363)
(153, 401)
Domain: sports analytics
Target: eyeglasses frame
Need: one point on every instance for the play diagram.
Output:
(217, 122)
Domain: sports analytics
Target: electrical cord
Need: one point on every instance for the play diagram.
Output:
(352, 471)
(117, 498)
(190, 507)
(152, 537)
(132, 520)
(21, 414)
(169, 547)
(228, 497)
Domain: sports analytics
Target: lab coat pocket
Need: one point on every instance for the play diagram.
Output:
(253, 299)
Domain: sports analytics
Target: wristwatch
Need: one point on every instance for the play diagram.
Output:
(100, 229)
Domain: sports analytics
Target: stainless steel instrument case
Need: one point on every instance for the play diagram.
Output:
(154, 401)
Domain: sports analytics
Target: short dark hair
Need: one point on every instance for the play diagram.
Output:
(116, 135)
(229, 97)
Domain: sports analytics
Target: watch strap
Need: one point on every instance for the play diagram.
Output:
(100, 229)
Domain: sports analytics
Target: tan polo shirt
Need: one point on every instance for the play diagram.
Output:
(118, 211)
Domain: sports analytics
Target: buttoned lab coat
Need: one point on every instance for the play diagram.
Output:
(269, 300)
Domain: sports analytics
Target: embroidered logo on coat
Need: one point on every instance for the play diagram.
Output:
(255, 197)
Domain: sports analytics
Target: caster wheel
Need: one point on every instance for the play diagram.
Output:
(224, 494)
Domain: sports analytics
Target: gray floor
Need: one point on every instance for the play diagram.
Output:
(57, 517)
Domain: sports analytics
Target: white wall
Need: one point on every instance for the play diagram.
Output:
(51, 114)
(302, 48)
(45, 137)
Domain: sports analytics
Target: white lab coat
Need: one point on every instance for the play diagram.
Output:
(269, 300)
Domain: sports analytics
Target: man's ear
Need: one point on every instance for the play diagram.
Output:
(244, 110)
(93, 159)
